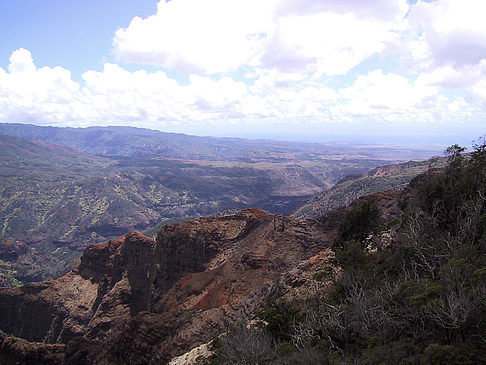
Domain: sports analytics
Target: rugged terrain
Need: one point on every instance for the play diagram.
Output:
(55, 200)
(139, 301)
(352, 187)
(135, 300)
(398, 275)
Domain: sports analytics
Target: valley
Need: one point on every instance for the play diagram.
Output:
(352, 187)
(58, 198)
(194, 182)
(388, 278)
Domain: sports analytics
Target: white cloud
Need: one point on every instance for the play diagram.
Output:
(192, 36)
(217, 36)
(326, 42)
(21, 61)
(117, 96)
(453, 30)
(465, 77)
(393, 98)
(381, 10)
(478, 89)
(387, 91)
(28, 93)
(276, 59)
(447, 44)
(289, 95)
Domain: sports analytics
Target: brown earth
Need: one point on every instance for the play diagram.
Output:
(139, 301)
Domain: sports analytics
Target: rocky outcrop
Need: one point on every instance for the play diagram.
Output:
(19, 351)
(10, 250)
(139, 301)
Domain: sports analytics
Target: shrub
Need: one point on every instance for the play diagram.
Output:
(357, 224)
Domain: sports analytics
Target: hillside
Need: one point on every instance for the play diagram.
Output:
(55, 200)
(398, 276)
(146, 143)
(352, 187)
(178, 290)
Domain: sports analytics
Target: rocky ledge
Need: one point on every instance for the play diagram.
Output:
(139, 301)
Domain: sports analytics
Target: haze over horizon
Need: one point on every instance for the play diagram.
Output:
(381, 71)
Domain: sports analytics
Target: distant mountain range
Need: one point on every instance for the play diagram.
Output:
(139, 142)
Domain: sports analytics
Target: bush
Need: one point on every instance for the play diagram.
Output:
(279, 318)
(245, 345)
(357, 224)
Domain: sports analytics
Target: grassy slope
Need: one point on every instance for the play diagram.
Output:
(379, 179)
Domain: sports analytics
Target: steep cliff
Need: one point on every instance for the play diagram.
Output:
(139, 301)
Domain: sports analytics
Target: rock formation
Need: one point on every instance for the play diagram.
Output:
(139, 301)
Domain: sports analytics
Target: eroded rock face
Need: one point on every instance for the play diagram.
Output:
(10, 250)
(19, 351)
(139, 301)
(109, 286)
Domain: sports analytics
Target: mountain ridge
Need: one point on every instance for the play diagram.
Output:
(352, 187)
(142, 142)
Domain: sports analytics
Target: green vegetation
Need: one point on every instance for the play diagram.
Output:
(56, 197)
(348, 190)
(357, 225)
(7, 275)
(420, 300)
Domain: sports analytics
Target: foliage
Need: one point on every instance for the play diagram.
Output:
(244, 345)
(420, 301)
(357, 224)
(348, 190)
(278, 317)
(8, 275)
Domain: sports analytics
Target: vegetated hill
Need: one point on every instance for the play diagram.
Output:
(56, 200)
(399, 276)
(22, 158)
(139, 142)
(352, 187)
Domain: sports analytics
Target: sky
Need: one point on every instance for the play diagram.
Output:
(378, 71)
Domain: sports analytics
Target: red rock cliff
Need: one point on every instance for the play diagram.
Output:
(139, 301)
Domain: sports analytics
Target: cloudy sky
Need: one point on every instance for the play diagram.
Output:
(392, 71)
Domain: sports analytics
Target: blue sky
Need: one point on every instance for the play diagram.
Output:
(377, 71)
(72, 34)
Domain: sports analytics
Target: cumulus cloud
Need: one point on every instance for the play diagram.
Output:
(382, 10)
(283, 59)
(196, 36)
(377, 91)
(451, 44)
(453, 30)
(327, 43)
(394, 98)
(21, 61)
(218, 36)
(117, 96)
(30, 94)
